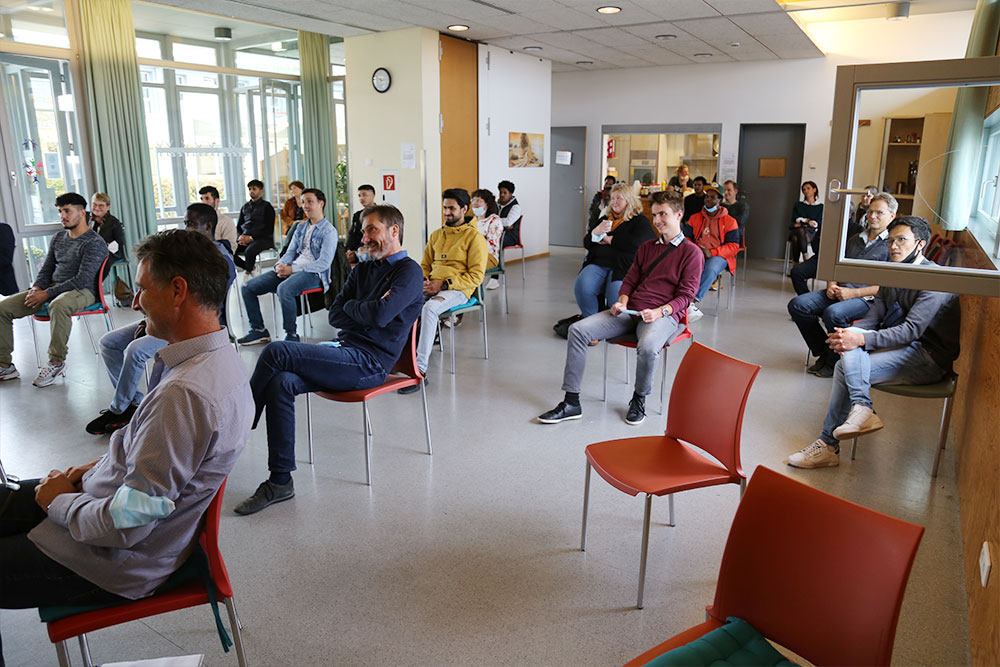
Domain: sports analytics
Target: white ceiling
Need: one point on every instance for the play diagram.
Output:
(572, 31)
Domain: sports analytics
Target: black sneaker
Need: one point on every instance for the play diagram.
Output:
(109, 422)
(826, 371)
(636, 411)
(266, 494)
(817, 367)
(255, 337)
(412, 388)
(562, 412)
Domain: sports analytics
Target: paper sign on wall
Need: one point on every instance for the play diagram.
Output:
(564, 157)
(408, 156)
(390, 186)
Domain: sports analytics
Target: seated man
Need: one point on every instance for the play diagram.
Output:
(366, 197)
(694, 201)
(717, 234)
(657, 289)
(68, 279)
(909, 336)
(305, 265)
(374, 313)
(510, 214)
(79, 537)
(454, 264)
(255, 228)
(126, 349)
(840, 304)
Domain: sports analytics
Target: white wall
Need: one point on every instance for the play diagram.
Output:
(378, 123)
(788, 91)
(515, 96)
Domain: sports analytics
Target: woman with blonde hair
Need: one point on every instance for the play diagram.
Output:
(611, 247)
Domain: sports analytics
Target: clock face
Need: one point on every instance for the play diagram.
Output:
(381, 80)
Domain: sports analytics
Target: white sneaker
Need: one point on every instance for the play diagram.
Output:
(8, 373)
(694, 313)
(48, 374)
(817, 455)
(860, 421)
(493, 284)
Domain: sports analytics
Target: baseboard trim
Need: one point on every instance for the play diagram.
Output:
(518, 259)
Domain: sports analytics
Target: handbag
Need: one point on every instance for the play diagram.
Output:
(123, 293)
(562, 326)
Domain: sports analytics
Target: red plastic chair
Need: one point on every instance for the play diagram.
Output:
(630, 342)
(844, 615)
(100, 307)
(192, 594)
(520, 244)
(663, 464)
(303, 307)
(410, 376)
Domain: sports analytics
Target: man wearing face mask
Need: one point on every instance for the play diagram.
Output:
(909, 336)
(718, 235)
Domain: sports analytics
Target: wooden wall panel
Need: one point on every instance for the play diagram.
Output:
(460, 112)
(976, 426)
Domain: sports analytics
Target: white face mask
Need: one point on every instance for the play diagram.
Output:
(479, 211)
(713, 209)
(363, 256)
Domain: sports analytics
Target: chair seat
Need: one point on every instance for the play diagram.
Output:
(311, 290)
(471, 304)
(655, 464)
(676, 641)
(942, 389)
(392, 383)
(42, 315)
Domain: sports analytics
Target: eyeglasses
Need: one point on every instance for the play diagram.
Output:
(880, 214)
(898, 240)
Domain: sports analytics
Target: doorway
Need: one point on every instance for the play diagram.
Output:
(770, 167)
(567, 193)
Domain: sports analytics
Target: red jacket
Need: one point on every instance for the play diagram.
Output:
(730, 235)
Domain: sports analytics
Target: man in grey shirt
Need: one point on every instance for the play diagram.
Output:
(68, 281)
(117, 528)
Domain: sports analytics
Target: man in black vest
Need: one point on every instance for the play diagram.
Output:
(255, 228)
(510, 216)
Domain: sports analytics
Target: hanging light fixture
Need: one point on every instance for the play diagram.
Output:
(223, 34)
(899, 12)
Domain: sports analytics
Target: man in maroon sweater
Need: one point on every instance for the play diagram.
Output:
(656, 291)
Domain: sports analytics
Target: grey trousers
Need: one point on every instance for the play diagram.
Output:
(61, 311)
(599, 326)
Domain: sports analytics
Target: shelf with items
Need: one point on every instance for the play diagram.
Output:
(908, 148)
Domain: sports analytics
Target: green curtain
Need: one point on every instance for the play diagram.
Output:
(318, 143)
(958, 187)
(117, 120)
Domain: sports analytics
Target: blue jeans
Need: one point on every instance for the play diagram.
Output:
(125, 358)
(713, 267)
(806, 308)
(858, 370)
(288, 290)
(285, 370)
(803, 273)
(429, 316)
(587, 288)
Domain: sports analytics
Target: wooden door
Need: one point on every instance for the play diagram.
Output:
(459, 115)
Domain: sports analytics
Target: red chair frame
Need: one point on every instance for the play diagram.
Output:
(410, 376)
(846, 615)
(192, 594)
(665, 464)
(520, 245)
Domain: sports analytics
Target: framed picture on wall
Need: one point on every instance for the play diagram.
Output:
(526, 149)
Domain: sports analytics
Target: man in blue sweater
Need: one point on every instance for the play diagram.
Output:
(909, 336)
(374, 312)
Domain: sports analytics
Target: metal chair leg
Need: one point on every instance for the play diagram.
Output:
(34, 339)
(943, 437)
(62, 653)
(854, 446)
(90, 334)
(606, 346)
(670, 510)
(427, 419)
(452, 329)
(368, 445)
(732, 290)
(486, 345)
(506, 302)
(645, 549)
(8, 481)
(628, 368)
(522, 264)
(309, 426)
(586, 504)
(85, 650)
(237, 627)
(663, 380)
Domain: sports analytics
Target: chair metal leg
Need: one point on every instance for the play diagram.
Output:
(62, 653)
(606, 346)
(486, 345)
(854, 446)
(788, 254)
(663, 380)
(368, 445)
(438, 337)
(670, 510)
(90, 334)
(427, 419)
(85, 650)
(237, 627)
(7, 481)
(452, 329)
(586, 504)
(522, 264)
(645, 549)
(34, 339)
(506, 302)
(274, 310)
(309, 425)
(628, 368)
(943, 438)
(743, 486)
(732, 290)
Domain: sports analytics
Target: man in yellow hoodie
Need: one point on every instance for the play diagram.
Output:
(454, 265)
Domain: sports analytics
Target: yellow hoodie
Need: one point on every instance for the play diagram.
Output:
(458, 255)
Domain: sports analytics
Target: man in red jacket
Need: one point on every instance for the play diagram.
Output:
(714, 231)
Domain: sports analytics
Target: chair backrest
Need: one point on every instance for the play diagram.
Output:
(707, 401)
(100, 283)
(407, 362)
(209, 540)
(815, 573)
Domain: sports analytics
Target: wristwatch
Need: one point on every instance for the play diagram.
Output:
(664, 311)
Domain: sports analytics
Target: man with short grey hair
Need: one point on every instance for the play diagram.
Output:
(840, 304)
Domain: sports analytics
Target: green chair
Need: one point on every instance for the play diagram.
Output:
(476, 302)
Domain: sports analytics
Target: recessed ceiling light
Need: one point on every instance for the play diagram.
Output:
(608, 10)
(666, 37)
(703, 55)
(532, 48)
(899, 11)
(735, 45)
(223, 34)
(584, 62)
(277, 47)
(34, 8)
(458, 27)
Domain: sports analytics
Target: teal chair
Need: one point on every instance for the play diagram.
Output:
(476, 302)
(499, 270)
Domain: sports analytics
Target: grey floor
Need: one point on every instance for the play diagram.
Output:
(471, 556)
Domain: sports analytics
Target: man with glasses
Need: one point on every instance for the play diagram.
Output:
(840, 304)
(909, 336)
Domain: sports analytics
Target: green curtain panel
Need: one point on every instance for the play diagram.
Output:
(958, 174)
(318, 143)
(117, 120)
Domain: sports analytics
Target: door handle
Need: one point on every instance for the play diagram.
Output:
(834, 190)
(13, 178)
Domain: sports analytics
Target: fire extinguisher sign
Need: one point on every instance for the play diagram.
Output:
(611, 147)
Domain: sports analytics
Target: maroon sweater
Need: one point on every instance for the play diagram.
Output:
(674, 281)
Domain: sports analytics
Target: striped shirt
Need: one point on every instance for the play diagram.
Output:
(181, 443)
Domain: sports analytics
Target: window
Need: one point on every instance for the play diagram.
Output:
(35, 23)
(192, 53)
(148, 48)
